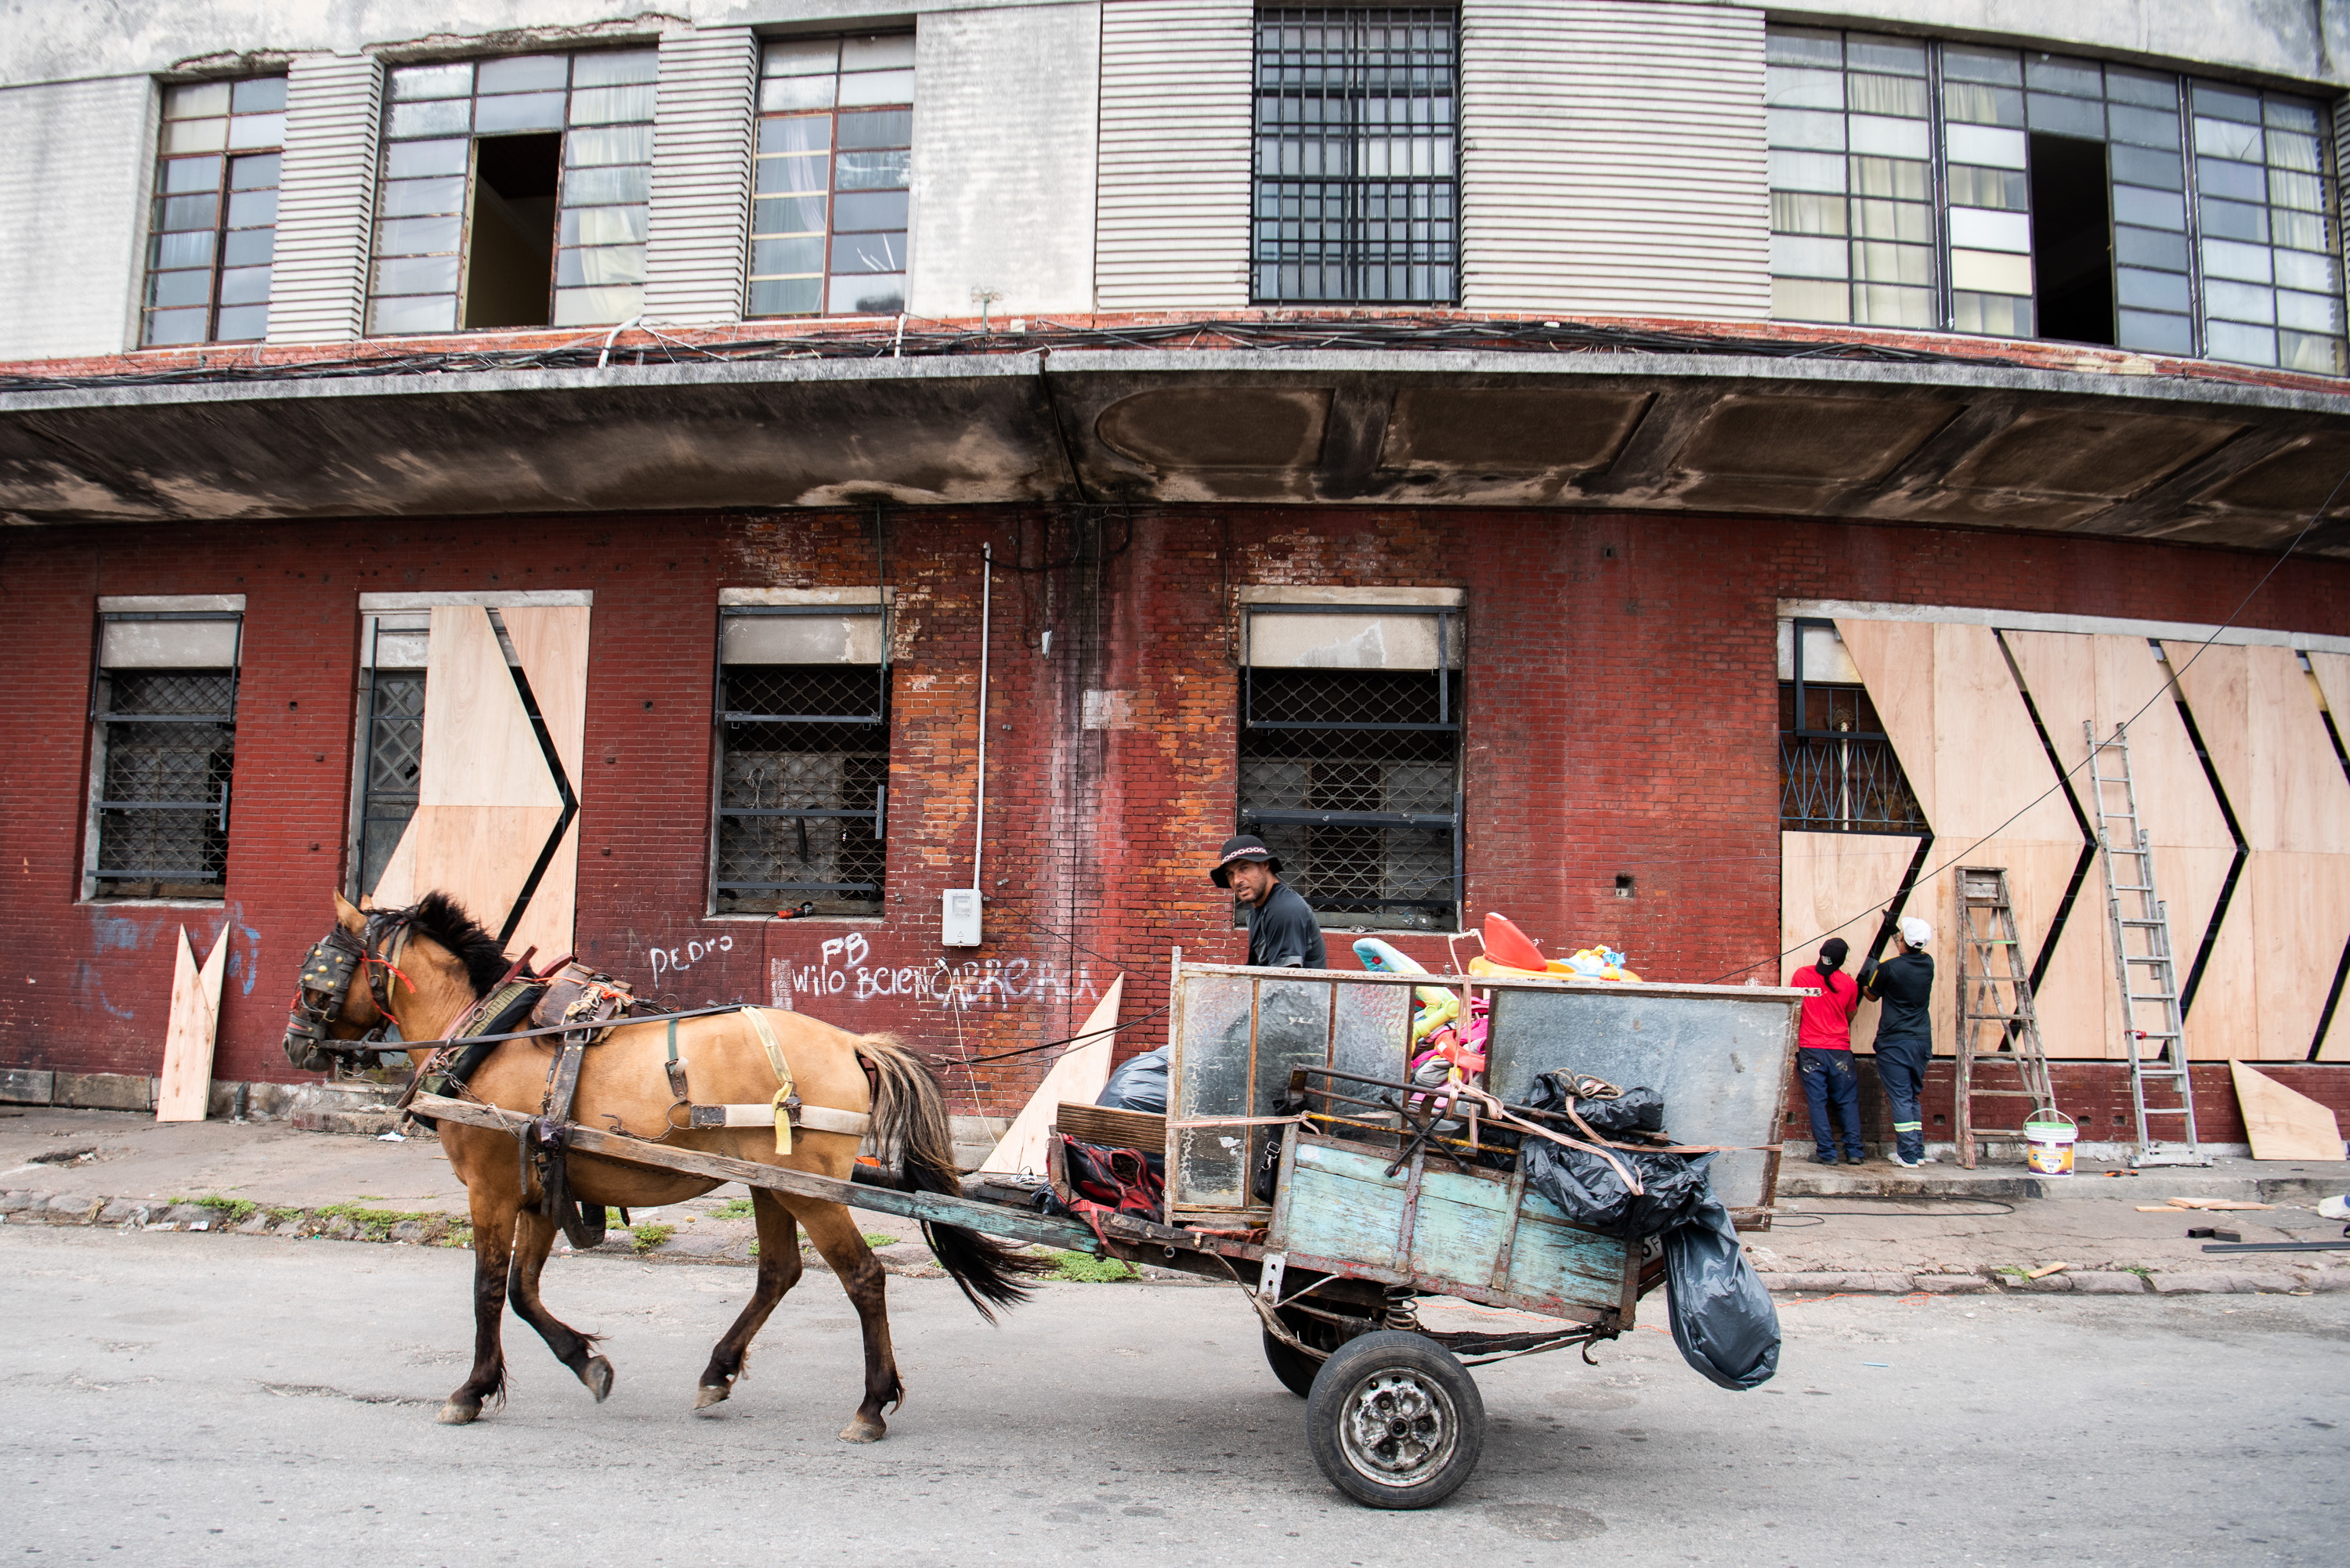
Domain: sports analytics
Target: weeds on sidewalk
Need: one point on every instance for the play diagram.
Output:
(1083, 1269)
(648, 1234)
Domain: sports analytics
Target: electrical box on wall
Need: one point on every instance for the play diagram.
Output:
(959, 920)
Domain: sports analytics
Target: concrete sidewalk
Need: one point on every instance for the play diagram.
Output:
(1872, 1228)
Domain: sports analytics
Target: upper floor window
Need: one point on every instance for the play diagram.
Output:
(2025, 194)
(803, 719)
(1357, 187)
(834, 167)
(515, 192)
(163, 713)
(215, 214)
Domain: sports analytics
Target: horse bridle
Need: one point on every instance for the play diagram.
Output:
(327, 975)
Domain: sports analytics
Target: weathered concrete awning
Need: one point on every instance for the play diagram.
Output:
(2203, 461)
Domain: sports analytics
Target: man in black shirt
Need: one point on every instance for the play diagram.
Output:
(1283, 932)
(1905, 1035)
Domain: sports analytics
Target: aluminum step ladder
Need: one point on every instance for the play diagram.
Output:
(2153, 1028)
(1997, 1027)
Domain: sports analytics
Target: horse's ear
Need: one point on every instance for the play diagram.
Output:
(347, 916)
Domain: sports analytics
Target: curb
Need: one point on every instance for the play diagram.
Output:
(2086, 1282)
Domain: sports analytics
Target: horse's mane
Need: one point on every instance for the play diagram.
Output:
(442, 918)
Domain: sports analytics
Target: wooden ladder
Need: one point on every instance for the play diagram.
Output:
(2153, 1030)
(1997, 1026)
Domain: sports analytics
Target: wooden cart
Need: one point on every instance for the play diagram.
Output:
(1376, 1207)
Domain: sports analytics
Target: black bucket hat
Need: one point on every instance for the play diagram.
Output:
(1243, 846)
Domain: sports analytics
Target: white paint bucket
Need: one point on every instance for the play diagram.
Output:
(2048, 1138)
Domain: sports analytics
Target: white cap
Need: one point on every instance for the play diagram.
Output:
(1915, 931)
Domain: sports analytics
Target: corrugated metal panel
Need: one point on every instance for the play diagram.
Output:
(1613, 159)
(702, 176)
(326, 198)
(1172, 212)
(2342, 190)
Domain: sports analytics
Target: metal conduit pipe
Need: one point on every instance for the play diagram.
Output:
(979, 816)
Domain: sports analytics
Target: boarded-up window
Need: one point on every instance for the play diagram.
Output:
(803, 721)
(1837, 771)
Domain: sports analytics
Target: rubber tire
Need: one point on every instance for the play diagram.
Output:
(1296, 1370)
(1389, 1351)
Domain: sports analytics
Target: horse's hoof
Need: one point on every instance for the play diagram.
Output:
(598, 1376)
(709, 1394)
(863, 1430)
(455, 1415)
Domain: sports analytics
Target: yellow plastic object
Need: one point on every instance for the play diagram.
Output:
(1484, 965)
(1435, 1014)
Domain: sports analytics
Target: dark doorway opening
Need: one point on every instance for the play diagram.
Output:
(510, 264)
(2071, 239)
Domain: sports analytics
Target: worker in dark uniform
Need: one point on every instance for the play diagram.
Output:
(1905, 1035)
(1283, 931)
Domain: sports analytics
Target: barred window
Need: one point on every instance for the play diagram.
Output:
(1837, 769)
(515, 192)
(2022, 195)
(1358, 191)
(828, 220)
(214, 231)
(803, 721)
(164, 705)
(394, 649)
(1350, 759)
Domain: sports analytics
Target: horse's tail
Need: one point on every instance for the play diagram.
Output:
(909, 1115)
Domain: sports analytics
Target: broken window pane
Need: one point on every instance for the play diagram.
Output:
(530, 157)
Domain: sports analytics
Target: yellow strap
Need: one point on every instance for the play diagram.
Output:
(783, 1077)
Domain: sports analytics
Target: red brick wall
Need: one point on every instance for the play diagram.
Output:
(1621, 713)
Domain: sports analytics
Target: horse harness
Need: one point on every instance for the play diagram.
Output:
(573, 1002)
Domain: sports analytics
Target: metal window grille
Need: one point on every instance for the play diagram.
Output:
(835, 164)
(1358, 191)
(1352, 777)
(167, 752)
(214, 231)
(802, 788)
(394, 757)
(1837, 769)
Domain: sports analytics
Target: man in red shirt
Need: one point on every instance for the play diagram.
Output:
(1823, 1053)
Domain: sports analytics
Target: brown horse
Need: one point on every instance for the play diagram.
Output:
(441, 962)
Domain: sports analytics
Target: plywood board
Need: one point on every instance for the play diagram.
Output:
(2175, 804)
(2060, 674)
(2225, 1018)
(1895, 660)
(548, 924)
(480, 855)
(1078, 1074)
(395, 887)
(2077, 1003)
(1991, 775)
(2282, 1124)
(2300, 795)
(552, 644)
(2301, 918)
(187, 1074)
(2333, 673)
(1837, 884)
(2214, 680)
(480, 747)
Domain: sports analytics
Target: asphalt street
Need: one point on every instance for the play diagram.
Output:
(182, 1399)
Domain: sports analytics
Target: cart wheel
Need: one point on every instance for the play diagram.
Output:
(1295, 1369)
(1395, 1420)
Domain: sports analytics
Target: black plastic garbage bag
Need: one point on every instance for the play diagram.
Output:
(1723, 1316)
(1588, 1189)
(1139, 1085)
(1641, 1110)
